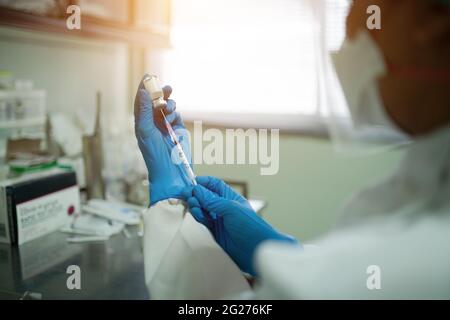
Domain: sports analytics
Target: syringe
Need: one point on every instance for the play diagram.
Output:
(180, 151)
(156, 93)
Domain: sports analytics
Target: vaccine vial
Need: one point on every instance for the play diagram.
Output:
(151, 84)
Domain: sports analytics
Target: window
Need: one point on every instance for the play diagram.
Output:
(250, 62)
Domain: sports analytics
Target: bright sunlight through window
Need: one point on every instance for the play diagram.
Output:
(248, 56)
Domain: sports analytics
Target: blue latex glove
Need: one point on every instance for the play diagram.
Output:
(167, 179)
(234, 224)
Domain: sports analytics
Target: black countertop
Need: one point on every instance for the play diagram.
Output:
(113, 269)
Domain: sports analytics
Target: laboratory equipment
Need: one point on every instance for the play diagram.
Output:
(156, 93)
(22, 111)
(115, 211)
(87, 224)
(93, 158)
(22, 106)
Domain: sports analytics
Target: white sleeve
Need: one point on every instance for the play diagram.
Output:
(182, 259)
(404, 262)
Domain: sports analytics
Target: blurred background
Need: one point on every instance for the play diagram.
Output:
(232, 64)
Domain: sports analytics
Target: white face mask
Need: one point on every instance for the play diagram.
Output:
(358, 65)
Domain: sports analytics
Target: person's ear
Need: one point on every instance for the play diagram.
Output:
(436, 28)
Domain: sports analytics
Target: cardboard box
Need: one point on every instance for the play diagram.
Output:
(37, 204)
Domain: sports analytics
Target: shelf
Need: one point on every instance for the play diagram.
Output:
(16, 124)
(90, 28)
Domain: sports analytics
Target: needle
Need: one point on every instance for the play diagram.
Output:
(180, 151)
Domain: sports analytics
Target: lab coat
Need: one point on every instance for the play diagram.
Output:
(392, 242)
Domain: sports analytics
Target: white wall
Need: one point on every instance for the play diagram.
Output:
(71, 70)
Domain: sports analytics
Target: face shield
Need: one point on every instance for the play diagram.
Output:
(349, 94)
(356, 117)
(349, 71)
(348, 80)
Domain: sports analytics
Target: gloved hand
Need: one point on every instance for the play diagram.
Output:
(234, 224)
(167, 179)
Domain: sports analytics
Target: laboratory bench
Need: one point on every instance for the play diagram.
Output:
(112, 269)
